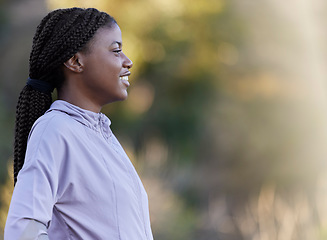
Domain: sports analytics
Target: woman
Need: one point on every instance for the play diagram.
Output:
(72, 178)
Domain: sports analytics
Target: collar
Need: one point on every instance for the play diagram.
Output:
(96, 121)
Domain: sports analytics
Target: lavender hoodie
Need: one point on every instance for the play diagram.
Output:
(77, 182)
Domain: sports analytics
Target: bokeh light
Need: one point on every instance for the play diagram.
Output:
(226, 119)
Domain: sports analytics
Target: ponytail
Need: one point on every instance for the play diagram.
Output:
(31, 105)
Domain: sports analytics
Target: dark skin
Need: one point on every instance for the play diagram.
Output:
(99, 75)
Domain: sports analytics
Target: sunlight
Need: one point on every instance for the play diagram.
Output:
(99, 4)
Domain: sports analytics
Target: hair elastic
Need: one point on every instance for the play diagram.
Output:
(39, 85)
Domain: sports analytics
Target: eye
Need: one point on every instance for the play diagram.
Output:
(118, 51)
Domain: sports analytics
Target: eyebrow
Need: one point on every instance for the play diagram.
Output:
(120, 44)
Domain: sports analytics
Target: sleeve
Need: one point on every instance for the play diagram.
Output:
(34, 195)
(34, 230)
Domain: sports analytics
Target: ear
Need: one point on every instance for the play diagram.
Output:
(74, 64)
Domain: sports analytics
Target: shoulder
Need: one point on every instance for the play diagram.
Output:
(53, 124)
(51, 136)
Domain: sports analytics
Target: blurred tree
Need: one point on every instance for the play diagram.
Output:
(214, 102)
(5, 117)
(221, 121)
(18, 20)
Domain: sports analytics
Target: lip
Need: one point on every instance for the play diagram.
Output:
(125, 82)
(125, 74)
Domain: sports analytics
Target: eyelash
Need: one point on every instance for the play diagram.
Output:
(117, 51)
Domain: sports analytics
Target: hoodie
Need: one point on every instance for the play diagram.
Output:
(77, 182)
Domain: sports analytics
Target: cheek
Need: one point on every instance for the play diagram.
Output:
(104, 66)
(110, 67)
(116, 66)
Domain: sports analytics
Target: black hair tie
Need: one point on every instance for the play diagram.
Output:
(40, 86)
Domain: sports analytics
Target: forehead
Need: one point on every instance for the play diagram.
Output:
(107, 35)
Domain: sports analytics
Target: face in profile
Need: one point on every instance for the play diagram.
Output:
(105, 67)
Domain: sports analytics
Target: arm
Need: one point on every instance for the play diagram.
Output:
(31, 205)
(34, 231)
(30, 209)
(34, 195)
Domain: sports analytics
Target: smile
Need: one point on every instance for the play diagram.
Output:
(124, 78)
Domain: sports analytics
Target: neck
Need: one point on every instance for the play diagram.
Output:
(77, 99)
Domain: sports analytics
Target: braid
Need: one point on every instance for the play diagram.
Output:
(66, 33)
(60, 35)
(31, 105)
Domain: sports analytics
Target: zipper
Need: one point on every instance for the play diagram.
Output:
(130, 169)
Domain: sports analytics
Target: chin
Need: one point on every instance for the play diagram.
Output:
(124, 96)
(120, 98)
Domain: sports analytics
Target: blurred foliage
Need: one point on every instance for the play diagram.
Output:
(226, 115)
(5, 114)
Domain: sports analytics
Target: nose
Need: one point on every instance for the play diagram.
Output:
(127, 62)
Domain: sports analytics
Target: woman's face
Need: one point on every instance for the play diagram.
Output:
(105, 67)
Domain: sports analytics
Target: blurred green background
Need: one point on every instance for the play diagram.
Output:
(226, 120)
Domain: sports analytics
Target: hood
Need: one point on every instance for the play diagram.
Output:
(96, 121)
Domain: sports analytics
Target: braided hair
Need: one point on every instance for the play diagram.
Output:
(60, 35)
